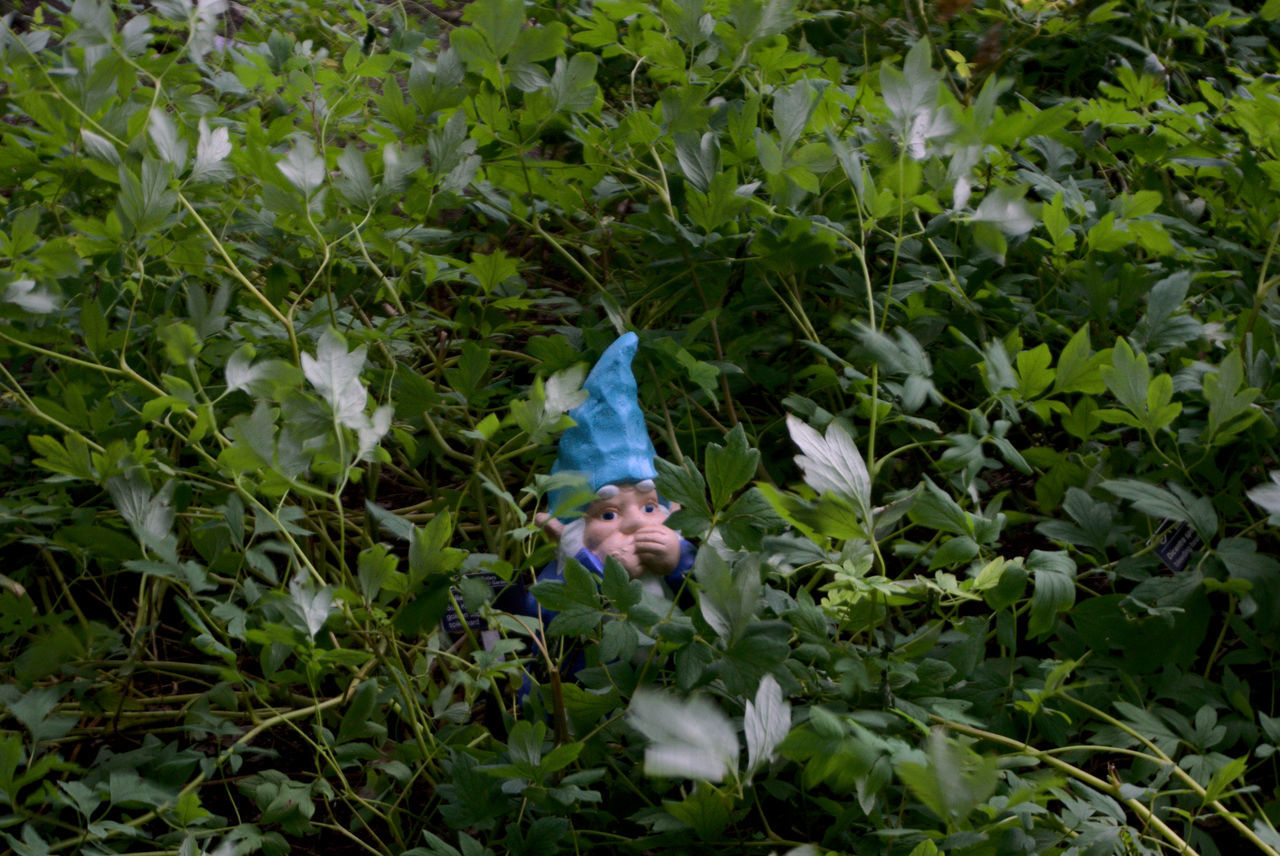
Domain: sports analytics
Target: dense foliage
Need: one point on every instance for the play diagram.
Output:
(959, 341)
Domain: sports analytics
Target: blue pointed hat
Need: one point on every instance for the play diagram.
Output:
(609, 443)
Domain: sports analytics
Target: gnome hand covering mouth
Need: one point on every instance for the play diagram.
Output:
(627, 523)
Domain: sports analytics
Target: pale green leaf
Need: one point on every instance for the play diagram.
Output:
(831, 463)
(169, 143)
(766, 723)
(689, 739)
(27, 296)
(315, 605)
(303, 166)
(355, 184)
(212, 149)
(335, 374)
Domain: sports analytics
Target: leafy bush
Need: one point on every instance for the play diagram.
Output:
(958, 339)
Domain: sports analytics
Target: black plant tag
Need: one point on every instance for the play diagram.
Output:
(507, 595)
(1178, 543)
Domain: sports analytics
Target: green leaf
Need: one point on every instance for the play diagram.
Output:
(689, 22)
(953, 782)
(1054, 591)
(468, 375)
(621, 591)
(493, 269)
(542, 838)
(374, 565)
(953, 552)
(429, 550)
(1160, 409)
(684, 485)
(618, 641)
(572, 88)
(1223, 778)
(706, 810)
(699, 158)
(145, 204)
(728, 596)
(792, 107)
(538, 44)
(1129, 379)
(730, 467)
(1174, 504)
(1079, 370)
(437, 86)
(1005, 208)
(358, 718)
(1265, 495)
(1057, 225)
(768, 152)
(1164, 326)
(181, 342)
(560, 757)
(756, 20)
(1231, 408)
(100, 147)
(93, 324)
(912, 97)
(563, 390)
(990, 575)
(935, 509)
(498, 21)
(1034, 374)
(34, 709)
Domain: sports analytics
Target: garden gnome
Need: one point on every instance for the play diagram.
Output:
(610, 447)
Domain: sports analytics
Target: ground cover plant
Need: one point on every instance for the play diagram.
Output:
(958, 341)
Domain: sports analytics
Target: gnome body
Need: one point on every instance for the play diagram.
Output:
(610, 447)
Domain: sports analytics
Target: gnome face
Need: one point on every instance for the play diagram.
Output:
(627, 523)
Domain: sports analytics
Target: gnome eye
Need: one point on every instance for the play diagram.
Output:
(609, 515)
(650, 508)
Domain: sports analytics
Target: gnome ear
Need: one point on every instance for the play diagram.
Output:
(553, 527)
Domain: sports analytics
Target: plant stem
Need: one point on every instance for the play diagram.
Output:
(1148, 816)
(1219, 809)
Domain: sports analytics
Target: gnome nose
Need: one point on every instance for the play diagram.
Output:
(631, 521)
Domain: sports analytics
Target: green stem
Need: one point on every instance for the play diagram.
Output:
(1219, 809)
(235, 271)
(244, 739)
(1148, 816)
(1264, 288)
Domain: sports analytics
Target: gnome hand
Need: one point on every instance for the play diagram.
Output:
(554, 528)
(657, 551)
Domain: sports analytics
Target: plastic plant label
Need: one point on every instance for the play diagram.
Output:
(1178, 543)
